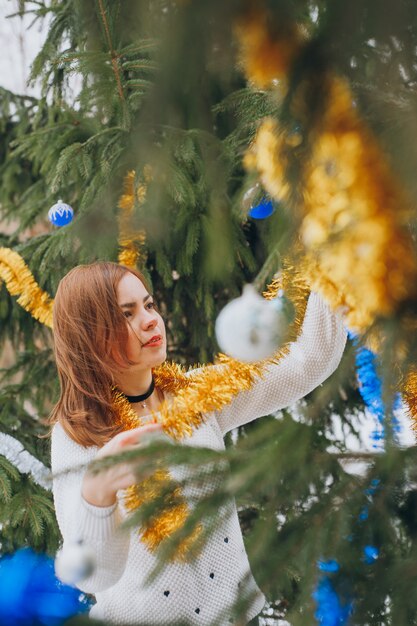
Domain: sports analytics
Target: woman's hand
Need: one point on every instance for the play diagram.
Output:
(99, 489)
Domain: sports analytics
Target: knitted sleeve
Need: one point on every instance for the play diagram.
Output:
(312, 358)
(97, 527)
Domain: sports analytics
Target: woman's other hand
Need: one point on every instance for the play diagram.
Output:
(99, 489)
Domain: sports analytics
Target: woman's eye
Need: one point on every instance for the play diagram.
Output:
(151, 305)
(127, 314)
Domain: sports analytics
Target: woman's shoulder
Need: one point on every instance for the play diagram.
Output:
(198, 370)
(59, 436)
(67, 452)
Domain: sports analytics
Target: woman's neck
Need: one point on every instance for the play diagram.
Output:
(134, 383)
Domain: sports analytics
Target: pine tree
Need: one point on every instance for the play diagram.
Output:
(162, 93)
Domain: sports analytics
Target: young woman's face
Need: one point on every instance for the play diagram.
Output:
(147, 341)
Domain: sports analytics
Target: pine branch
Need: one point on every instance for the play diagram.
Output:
(113, 54)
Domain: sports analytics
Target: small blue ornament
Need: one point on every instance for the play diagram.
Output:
(396, 425)
(377, 435)
(371, 553)
(262, 210)
(364, 514)
(371, 491)
(328, 566)
(60, 214)
(371, 390)
(330, 610)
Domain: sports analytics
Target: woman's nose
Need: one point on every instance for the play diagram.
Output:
(149, 322)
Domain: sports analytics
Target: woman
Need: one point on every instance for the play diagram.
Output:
(108, 332)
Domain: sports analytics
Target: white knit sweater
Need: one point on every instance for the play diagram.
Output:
(200, 592)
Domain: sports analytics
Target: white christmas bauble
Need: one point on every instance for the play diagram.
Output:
(75, 562)
(250, 197)
(251, 328)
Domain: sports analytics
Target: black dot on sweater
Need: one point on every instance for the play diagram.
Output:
(226, 540)
(239, 583)
(197, 611)
(166, 593)
(211, 575)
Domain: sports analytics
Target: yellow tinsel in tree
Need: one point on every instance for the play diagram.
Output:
(20, 282)
(175, 512)
(267, 50)
(131, 241)
(358, 251)
(355, 215)
(268, 156)
(170, 519)
(409, 393)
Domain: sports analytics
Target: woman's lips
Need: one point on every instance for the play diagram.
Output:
(155, 342)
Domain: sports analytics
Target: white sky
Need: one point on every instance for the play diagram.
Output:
(19, 46)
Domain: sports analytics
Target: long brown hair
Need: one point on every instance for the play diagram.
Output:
(90, 338)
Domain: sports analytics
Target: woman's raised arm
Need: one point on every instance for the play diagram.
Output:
(312, 358)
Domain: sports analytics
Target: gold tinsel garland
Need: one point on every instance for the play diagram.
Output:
(355, 216)
(409, 391)
(266, 54)
(358, 252)
(131, 241)
(20, 282)
(353, 211)
(169, 377)
(172, 518)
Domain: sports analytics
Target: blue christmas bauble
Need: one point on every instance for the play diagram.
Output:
(31, 594)
(328, 566)
(371, 554)
(264, 209)
(60, 214)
